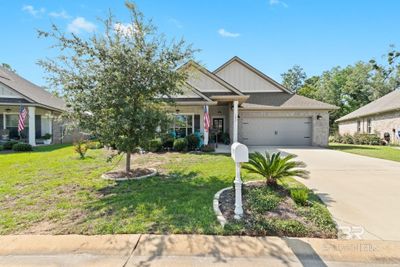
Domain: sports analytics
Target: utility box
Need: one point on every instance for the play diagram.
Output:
(239, 152)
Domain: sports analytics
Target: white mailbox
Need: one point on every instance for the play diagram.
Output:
(239, 152)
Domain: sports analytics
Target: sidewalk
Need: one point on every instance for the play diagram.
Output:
(193, 250)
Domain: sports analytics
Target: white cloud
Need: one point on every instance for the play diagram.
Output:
(33, 11)
(62, 14)
(277, 3)
(124, 28)
(225, 33)
(79, 24)
(176, 22)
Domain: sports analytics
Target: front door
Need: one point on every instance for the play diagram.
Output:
(218, 124)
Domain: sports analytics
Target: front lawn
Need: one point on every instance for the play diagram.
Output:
(381, 152)
(52, 191)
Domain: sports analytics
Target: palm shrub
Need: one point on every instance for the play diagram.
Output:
(273, 167)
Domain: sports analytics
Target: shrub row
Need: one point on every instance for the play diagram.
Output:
(358, 139)
(166, 142)
(16, 146)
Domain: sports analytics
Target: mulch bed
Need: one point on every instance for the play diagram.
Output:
(286, 210)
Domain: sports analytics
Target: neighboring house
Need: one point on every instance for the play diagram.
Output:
(380, 116)
(267, 112)
(43, 109)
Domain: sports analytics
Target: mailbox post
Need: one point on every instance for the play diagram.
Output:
(239, 154)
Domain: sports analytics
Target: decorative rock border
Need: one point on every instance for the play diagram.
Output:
(154, 173)
(217, 210)
(220, 217)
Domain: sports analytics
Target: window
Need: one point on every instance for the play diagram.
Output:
(358, 126)
(12, 125)
(369, 128)
(183, 125)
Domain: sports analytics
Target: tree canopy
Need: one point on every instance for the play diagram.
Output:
(116, 83)
(354, 86)
(294, 78)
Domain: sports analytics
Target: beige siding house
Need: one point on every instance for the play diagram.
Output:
(43, 110)
(380, 116)
(249, 106)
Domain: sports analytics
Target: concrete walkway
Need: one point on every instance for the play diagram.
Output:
(361, 192)
(193, 250)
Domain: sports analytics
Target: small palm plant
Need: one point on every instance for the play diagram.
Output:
(273, 167)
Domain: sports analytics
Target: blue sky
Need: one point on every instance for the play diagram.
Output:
(271, 35)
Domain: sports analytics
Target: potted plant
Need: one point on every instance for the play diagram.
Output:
(47, 139)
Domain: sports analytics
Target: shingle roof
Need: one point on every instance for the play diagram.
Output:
(31, 91)
(284, 101)
(386, 103)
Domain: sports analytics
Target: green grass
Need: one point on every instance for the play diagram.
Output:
(52, 191)
(381, 152)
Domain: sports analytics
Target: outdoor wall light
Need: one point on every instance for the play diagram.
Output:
(319, 117)
(177, 111)
(8, 110)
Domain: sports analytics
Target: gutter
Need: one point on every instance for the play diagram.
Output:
(367, 115)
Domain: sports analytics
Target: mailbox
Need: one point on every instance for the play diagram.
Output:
(239, 152)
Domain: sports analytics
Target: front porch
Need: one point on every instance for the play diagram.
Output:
(38, 125)
(223, 114)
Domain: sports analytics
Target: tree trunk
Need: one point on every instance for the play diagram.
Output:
(128, 162)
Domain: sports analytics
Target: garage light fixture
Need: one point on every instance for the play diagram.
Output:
(319, 117)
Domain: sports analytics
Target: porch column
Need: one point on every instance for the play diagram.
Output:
(32, 128)
(206, 131)
(235, 121)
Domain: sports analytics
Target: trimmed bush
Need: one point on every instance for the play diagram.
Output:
(46, 136)
(22, 147)
(192, 142)
(336, 138)
(347, 139)
(167, 141)
(300, 196)
(208, 148)
(9, 145)
(180, 144)
(155, 145)
(357, 138)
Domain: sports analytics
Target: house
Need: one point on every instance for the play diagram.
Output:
(43, 109)
(380, 116)
(249, 106)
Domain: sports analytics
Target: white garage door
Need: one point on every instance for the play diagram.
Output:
(277, 131)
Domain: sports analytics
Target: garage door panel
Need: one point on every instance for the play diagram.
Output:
(277, 131)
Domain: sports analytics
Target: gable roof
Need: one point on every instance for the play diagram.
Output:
(254, 70)
(386, 103)
(230, 88)
(32, 92)
(284, 101)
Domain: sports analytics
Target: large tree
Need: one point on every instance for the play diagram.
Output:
(294, 78)
(116, 83)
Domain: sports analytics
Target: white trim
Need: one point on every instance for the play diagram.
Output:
(235, 121)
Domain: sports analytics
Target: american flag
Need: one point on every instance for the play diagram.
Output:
(206, 119)
(22, 116)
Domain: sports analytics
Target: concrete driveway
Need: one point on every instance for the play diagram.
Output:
(359, 191)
